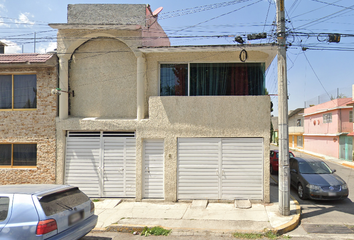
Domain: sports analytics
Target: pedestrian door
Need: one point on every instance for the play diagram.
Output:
(153, 178)
(101, 164)
(346, 147)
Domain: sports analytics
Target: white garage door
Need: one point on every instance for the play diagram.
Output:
(101, 164)
(220, 168)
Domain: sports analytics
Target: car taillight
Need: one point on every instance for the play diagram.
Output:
(92, 207)
(46, 226)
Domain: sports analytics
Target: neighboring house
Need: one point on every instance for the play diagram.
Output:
(326, 129)
(345, 145)
(296, 128)
(27, 112)
(154, 121)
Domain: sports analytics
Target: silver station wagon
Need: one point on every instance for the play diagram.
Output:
(44, 211)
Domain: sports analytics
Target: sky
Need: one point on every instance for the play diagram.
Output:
(317, 68)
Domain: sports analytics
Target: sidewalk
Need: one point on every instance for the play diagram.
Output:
(197, 216)
(345, 163)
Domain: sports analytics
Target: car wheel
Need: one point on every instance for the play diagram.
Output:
(301, 191)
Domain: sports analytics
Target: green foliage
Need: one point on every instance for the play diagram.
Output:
(268, 234)
(248, 235)
(157, 231)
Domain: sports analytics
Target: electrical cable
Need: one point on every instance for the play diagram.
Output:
(322, 19)
(316, 74)
(224, 14)
(186, 11)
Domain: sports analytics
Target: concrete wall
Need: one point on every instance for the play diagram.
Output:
(327, 105)
(292, 122)
(328, 146)
(103, 75)
(340, 123)
(153, 61)
(33, 126)
(174, 117)
(121, 14)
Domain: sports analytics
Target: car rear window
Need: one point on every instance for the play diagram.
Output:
(61, 201)
(4, 208)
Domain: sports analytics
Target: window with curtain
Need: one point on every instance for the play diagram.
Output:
(18, 155)
(207, 79)
(174, 80)
(18, 91)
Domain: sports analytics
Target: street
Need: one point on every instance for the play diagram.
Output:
(319, 219)
(327, 218)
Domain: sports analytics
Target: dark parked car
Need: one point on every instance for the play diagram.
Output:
(45, 211)
(315, 180)
(274, 160)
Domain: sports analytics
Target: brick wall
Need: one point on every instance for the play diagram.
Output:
(33, 126)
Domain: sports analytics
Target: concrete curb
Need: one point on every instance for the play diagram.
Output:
(287, 227)
(348, 165)
(326, 158)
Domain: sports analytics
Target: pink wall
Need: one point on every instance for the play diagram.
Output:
(154, 35)
(328, 105)
(328, 146)
(346, 125)
(313, 124)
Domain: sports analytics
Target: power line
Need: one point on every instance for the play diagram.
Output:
(218, 16)
(186, 11)
(316, 74)
(322, 19)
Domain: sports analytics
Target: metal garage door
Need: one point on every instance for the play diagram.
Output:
(220, 168)
(102, 164)
(153, 169)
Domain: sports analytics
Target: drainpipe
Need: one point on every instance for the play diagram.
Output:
(141, 67)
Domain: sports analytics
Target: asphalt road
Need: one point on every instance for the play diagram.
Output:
(327, 219)
(319, 219)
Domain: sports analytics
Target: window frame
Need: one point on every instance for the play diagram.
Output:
(189, 71)
(12, 74)
(327, 117)
(299, 122)
(12, 156)
(351, 116)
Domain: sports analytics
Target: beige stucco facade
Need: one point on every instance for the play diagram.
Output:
(171, 118)
(32, 126)
(116, 85)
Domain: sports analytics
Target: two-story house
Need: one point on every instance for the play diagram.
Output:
(154, 121)
(326, 129)
(296, 128)
(27, 112)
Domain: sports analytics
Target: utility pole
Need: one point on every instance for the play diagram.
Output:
(284, 170)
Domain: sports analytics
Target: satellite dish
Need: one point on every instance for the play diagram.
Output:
(157, 11)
